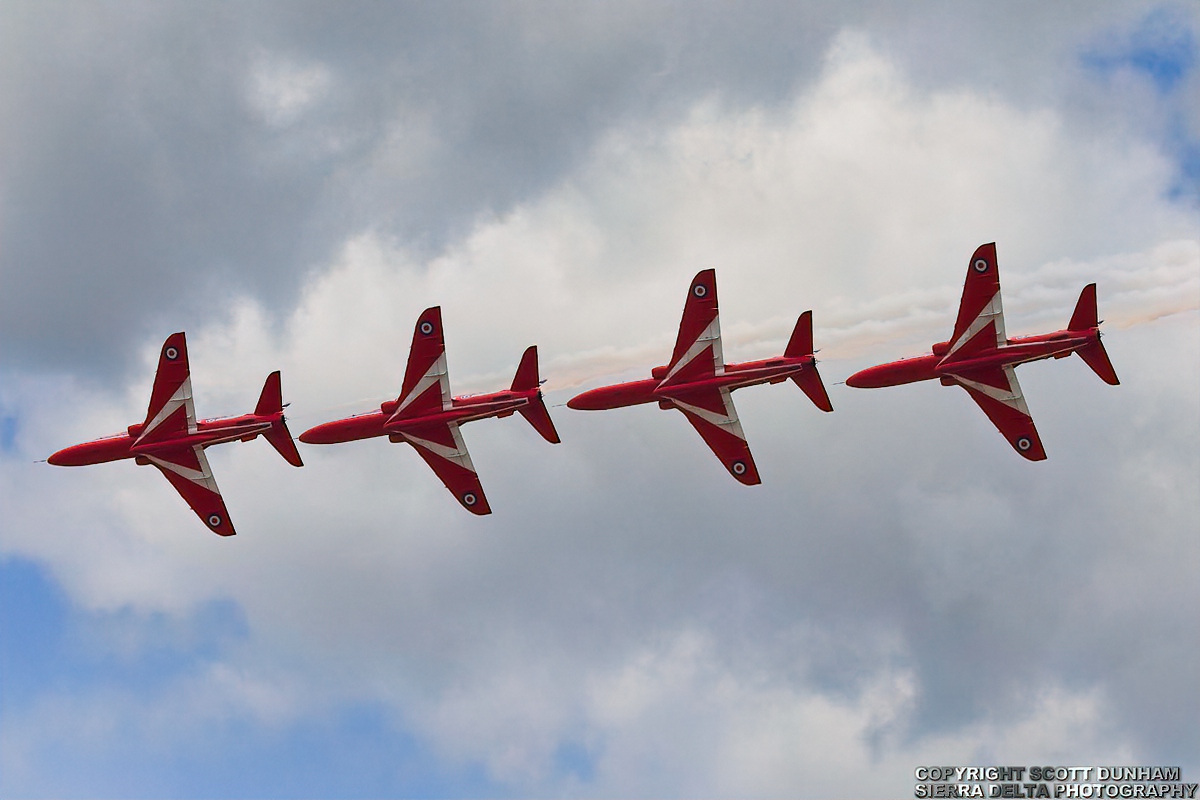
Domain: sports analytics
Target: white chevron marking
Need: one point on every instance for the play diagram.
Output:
(710, 335)
(1012, 398)
(435, 374)
(181, 397)
(728, 421)
(992, 312)
(202, 477)
(458, 454)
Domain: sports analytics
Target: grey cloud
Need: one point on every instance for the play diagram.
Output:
(142, 192)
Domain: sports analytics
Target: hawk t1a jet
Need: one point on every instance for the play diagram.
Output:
(698, 382)
(981, 358)
(173, 440)
(426, 415)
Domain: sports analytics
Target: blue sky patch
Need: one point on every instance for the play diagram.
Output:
(46, 645)
(8, 433)
(51, 650)
(1162, 48)
(575, 759)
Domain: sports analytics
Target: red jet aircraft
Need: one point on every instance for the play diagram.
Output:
(173, 440)
(699, 383)
(426, 415)
(980, 358)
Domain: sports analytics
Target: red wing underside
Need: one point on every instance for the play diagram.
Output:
(188, 471)
(712, 414)
(426, 388)
(444, 451)
(997, 392)
(980, 323)
(697, 353)
(171, 412)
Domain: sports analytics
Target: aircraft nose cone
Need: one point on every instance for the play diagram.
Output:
(67, 457)
(325, 433)
(584, 402)
(857, 380)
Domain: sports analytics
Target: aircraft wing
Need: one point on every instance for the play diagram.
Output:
(712, 414)
(426, 388)
(980, 323)
(697, 352)
(997, 392)
(443, 448)
(171, 412)
(188, 471)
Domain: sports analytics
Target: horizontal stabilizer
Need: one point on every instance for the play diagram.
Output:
(809, 380)
(271, 402)
(1085, 319)
(537, 415)
(281, 439)
(1095, 356)
(535, 412)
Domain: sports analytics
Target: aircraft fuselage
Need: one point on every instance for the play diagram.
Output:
(464, 409)
(125, 445)
(1021, 350)
(650, 390)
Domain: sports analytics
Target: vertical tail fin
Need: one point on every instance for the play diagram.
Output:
(809, 380)
(527, 372)
(535, 411)
(1085, 316)
(271, 399)
(271, 402)
(801, 343)
(1083, 320)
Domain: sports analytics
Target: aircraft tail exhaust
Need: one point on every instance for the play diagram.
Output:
(809, 380)
(534, 412)
(271, 402)
(1084, 319)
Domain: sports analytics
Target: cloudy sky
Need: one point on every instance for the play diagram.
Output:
(292, 183)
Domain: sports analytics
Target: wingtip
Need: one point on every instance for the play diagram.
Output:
(704, 287)
(479, 509)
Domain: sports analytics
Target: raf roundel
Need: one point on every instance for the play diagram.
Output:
(739, 468)
(426, 327)
(469, 499)
(700, 290)
(214, 520)
(171, 353)
(981, 265)
(1024, 444)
